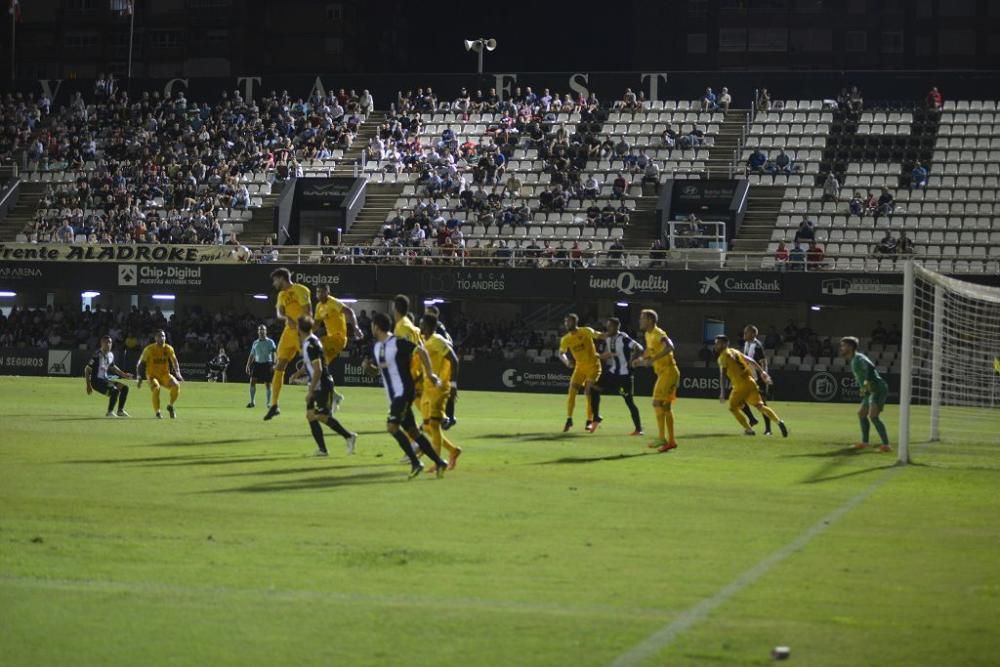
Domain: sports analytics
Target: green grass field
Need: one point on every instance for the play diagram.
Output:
(213, 540)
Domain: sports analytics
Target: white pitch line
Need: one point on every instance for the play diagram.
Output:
(663, 637)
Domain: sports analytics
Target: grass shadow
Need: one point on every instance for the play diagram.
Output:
(593, 459)
(835, 453)
(845, 475)
(314, 483)
(182, 459)
(191, 443)
(529, 437)
(320, 467)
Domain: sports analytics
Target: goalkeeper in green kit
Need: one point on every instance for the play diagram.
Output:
(874, 392)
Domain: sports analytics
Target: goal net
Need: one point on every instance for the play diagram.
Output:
(950, 384)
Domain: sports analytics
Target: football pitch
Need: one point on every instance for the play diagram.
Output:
(213, 539)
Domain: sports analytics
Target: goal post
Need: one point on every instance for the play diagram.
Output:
(949, 361)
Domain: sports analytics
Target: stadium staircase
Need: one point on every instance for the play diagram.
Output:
(352, 156)
(724, 153)
(380, 200)
(257, 230)
(761, 218)
(24, 212)
(643, 230)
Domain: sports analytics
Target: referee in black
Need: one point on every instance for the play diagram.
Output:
(619, 351)
(754, 349)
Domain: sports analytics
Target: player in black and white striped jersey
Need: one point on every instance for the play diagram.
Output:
(320, 393)
(392, 359)
(754, 349)
(619, 349)
(101, 375)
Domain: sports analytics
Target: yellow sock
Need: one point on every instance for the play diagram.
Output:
(740, 417)
(571, 402)
(174, 391)
(668, 417)
(449, 446)
(590, 407)
(435, 432)
(277, 380)
(661, 422)
(156, 398)
(769, 413)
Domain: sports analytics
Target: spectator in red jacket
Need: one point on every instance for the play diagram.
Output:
(815, 256)
(781, 256)
(934, 99)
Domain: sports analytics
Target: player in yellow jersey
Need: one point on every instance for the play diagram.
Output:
(585, 364)
(159, 365)
(338, 321)
(659, 355)
(740, 368)
(405, 328)
(294, 301)
(444, 364)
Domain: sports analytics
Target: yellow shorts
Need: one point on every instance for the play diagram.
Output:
(583, 374)
(747, 393)
(433, 401)
(161, 380)
(333, 345)
(665, 389)
(289, 346)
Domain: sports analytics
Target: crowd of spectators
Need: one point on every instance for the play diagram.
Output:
(471, 176)
(193, 332)
(862, 205)
(760, 163)
(200, 336)
(190, 331)
(888, 246)
(158, 168)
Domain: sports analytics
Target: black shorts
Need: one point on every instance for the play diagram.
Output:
(103, 386)
(401, 413)
(262, 372)
(764, 389)
(322, 400)
(622, 385)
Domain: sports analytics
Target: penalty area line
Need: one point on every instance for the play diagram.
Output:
(666, 635)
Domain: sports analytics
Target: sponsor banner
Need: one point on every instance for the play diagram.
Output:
(833, 387)
(144, 254)
(598, 283)
(348, 280)
(821, 287)
(160, 276)
(349, 372)
(734, 285)
(20, 276)
(486, 282)
(371, 280)
(24, 361)
(60, 362)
